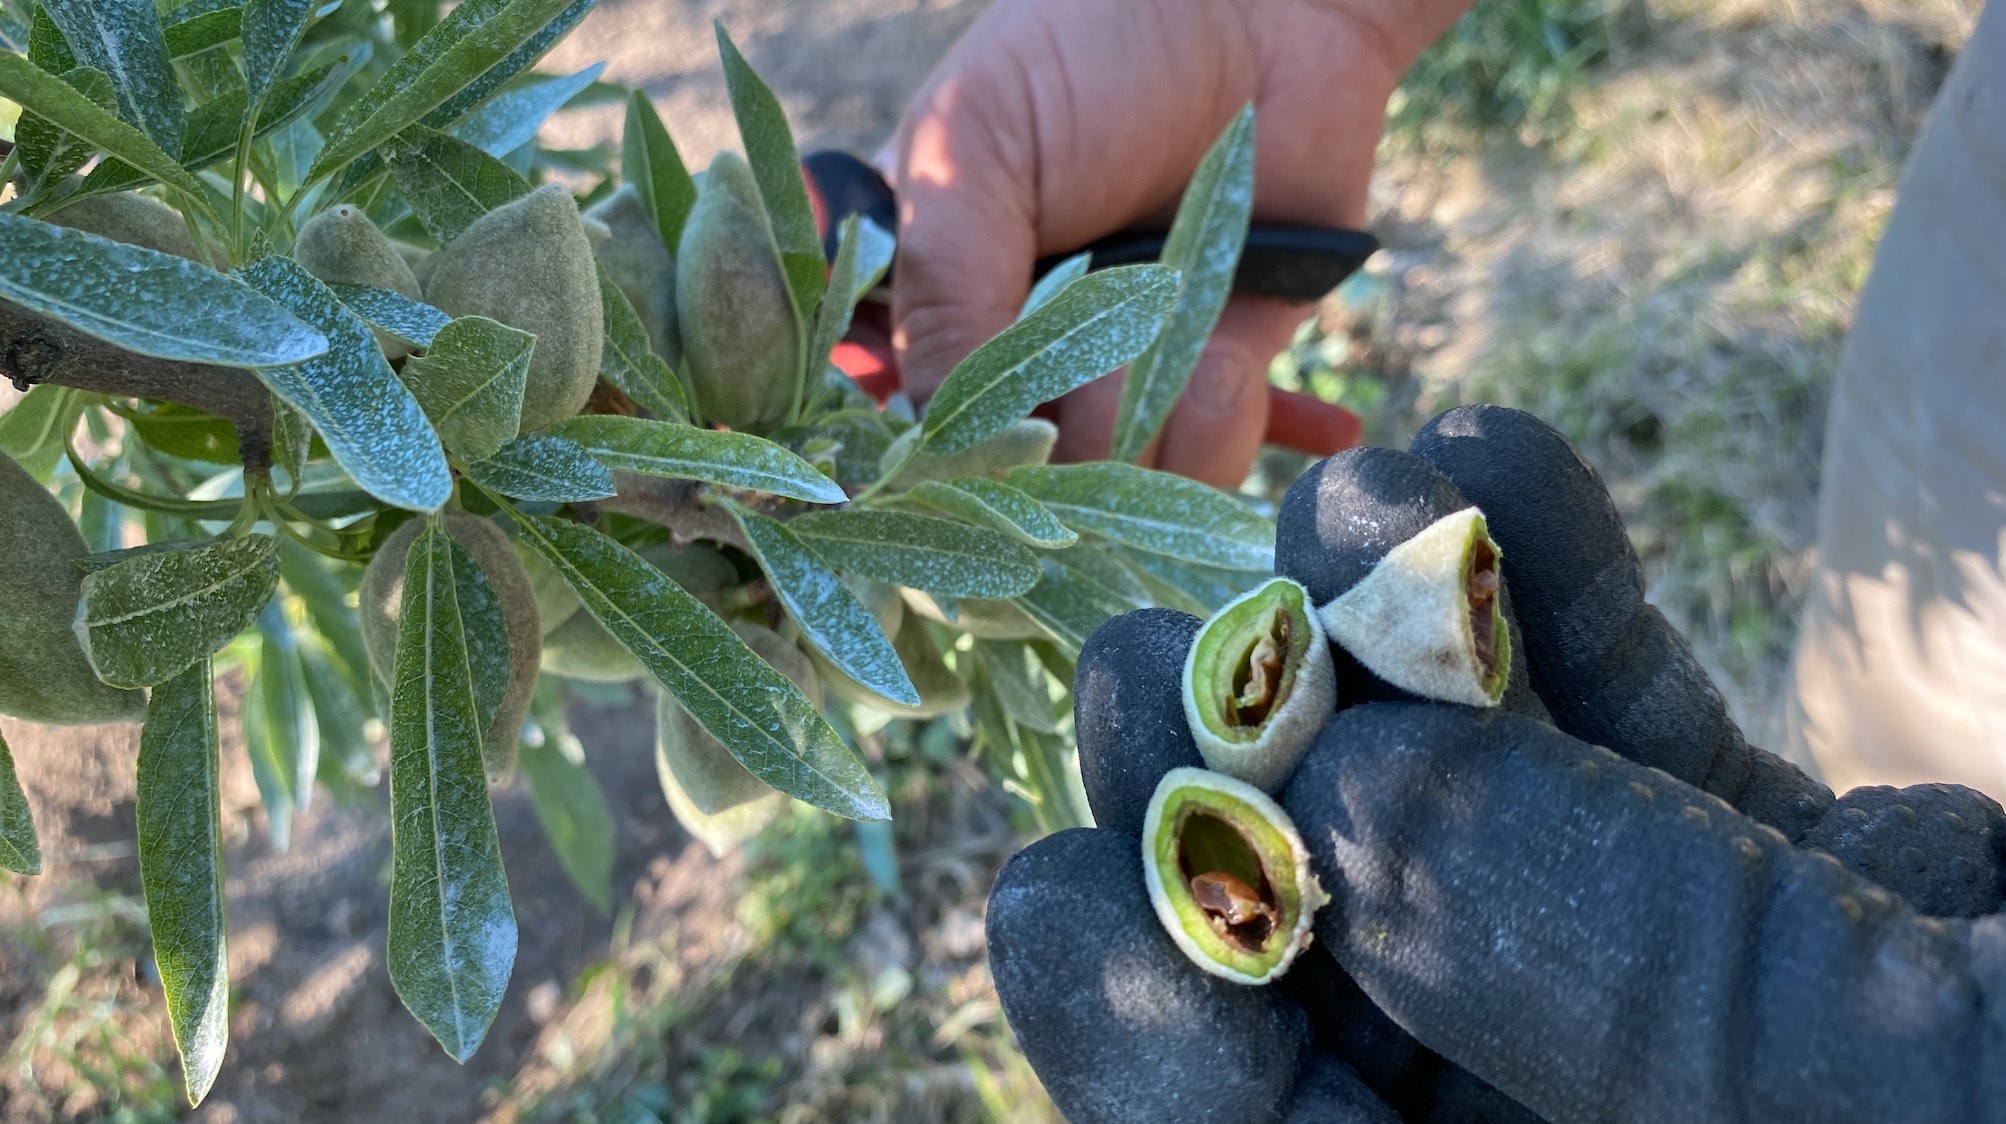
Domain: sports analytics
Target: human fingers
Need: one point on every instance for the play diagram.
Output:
(967, 221)
(1215, 431)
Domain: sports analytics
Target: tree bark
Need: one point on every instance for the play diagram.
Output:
(35, 350)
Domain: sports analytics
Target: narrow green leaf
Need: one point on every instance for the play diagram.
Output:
(936, 555)
(291, 151)
(92, 563)
(180, 827)
(448, 182)
(472, 40)
(292, 732)
(414, 322)
(210, 74)
(851, 441)
(20, 852)
(313, 579)
(736, 460)
(628, 362)
(1080, 590)
(512, 119)
(37, 429)
(263, 735)
(862, 256)
(1180, 584)
(371, 424)
(1204, 247)
(649, 161)
(829, 615)
(151, 617)
(46, 47)
(271, 31)
(50, 153)
(179, 431)
(542, 467)
(201, 31)
(1060, 276)
(1092, 326)
(568, 801)
(486, 632)
(1153, 511)
(1020, 686)
(452, 929)
(123, 38)
(759, 716)
(292, 442)
(347, 756)
(470, 382)
(152, 303)
(14, 34)
(996, 505)
(776, 166)
(212, 128)
(478, 91)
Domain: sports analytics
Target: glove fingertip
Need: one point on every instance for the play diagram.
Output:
(1118, 1024)
(1128, 712)
(1331, 1093)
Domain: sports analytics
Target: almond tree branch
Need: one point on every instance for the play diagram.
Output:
(675, 504)
(35, 350)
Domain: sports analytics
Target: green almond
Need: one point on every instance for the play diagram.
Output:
(1228, 875)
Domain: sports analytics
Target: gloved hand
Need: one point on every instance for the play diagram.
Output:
(1678, 927)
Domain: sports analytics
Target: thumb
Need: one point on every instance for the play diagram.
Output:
(967, 225)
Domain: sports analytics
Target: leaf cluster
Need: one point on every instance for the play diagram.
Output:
(259, 430)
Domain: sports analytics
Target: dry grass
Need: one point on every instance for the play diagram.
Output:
(1668, 279)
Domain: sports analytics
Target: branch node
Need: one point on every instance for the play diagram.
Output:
(31, 358)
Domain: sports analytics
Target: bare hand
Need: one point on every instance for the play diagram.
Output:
(1055, 122)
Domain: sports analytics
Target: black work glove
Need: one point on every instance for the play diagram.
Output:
(1649, 936)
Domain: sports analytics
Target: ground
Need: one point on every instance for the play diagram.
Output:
(1657, 247)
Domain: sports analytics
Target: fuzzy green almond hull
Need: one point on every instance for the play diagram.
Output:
(381, 609)
(44, 676)
(1228, 875)
(136, 220)
(528, 264)
(1259, 683)
(340, 246)
(1584, 626)
(639, 263)
(1426, 618)
(1338, 523)
(581, 648)
(740, 332)
(713, 796)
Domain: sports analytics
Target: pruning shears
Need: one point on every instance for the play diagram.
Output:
(1299, 263)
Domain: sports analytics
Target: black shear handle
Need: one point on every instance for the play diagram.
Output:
(1297, 263)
